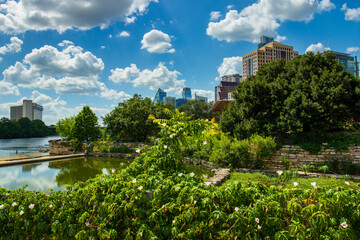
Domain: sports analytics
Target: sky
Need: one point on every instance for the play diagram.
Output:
(73, 53)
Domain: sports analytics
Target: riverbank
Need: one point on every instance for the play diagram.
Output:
(32, 158)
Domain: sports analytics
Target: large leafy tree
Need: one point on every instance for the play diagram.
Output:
(86, 127)
(197, 109)
(130, 120)
(63, 127)
(310, 93)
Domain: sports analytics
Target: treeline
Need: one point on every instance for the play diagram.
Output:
(23, 128)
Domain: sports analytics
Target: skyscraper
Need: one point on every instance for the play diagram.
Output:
(159, 96)
(186, 93)
(197, 97)
(266, 54)
(28, 109)
(347, 61)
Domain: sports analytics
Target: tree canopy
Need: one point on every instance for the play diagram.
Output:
(86, 127)
(311, 92)
(197, 109)
(64, 126)
(130, 120)
(23, 128)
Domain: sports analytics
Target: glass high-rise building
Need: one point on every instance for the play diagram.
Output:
(159, 96)
(186, 93)
(347, 61)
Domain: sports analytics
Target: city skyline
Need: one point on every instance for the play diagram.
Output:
(103, 53)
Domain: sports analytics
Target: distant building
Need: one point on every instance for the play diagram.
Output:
(159, 96)
(349, 63)
(28, 109)
(265, 40)
(266, 54)
(201, 98)
(171, 100)
(186, 93)
(223, 90)
(232, 78)
(180, 101)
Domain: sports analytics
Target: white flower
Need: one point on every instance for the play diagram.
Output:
(207, 183)
(138, 150)
(344, 225)
(164, 124)
(14, 204)
(31, 206)
(206, 120)
(113, 171)
(347, 183)
(174, 221)
(51, 206)
(21, 212)
(141, 234)
(171, 135)
(140, 188)
(205, 142)
(165, 146)
(295, 184)
(136, 198)
(1, 206)
(279, 172)
(204, 176)
(259, 227)
(257, 220)
(192, 174)
(195, 202)
(180, 174)
(236, 209)
(314, 184)
(134, 180)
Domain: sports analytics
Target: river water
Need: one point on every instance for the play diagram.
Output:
(57, 175)
(24, 145)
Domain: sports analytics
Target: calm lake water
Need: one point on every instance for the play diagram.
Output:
(57, 174)
(24, 145)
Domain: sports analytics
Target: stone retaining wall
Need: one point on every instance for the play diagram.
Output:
(299, 157)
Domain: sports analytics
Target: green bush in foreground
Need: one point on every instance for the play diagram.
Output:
(184, 207)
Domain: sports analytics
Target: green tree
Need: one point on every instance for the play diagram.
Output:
(86, 127)
(198, 109)
(63, 127)
(129, 121)
(309, 93)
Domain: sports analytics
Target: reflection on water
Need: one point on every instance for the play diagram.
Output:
(57, 174)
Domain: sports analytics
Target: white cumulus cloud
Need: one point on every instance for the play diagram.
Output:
(160, 77)
(264, 18)
(352, 49)
(18, 16)
(156, 41)
(13, 47)
(123, 34)
(69, 70)
(351, 14)
(317, 48)
(231, 65)
(8, 89)
(214, 16)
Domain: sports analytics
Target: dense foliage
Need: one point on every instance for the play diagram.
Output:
(23, 128)
(129, 121)
(64, 126)
(311, 92)
(198, 109)
(117, 206)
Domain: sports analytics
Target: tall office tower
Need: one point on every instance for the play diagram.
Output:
(186, 93)
(180, 101)
(197, 97)
(232, 78)
(266, 54)
(348, 62)
(159, 96)
(28, 109)
(171, 100)
(265, 40)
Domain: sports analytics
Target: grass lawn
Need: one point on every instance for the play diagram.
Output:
(302, 182)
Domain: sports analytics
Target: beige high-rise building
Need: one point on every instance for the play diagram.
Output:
(28, 109)
(268, 53)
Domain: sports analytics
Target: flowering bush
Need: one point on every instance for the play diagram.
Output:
(118, 206)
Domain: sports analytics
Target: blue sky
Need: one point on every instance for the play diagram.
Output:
(67, 54)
